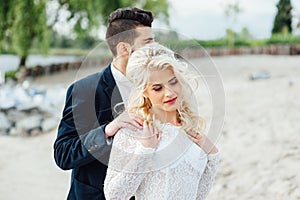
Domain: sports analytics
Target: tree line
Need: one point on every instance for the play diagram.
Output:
(27, 24)
(31, 23)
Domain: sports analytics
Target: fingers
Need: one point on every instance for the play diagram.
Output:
(204, 143)
(194, 140)
(150, 136)
(151, 127)
(124, 120)
(137, 119)
(198, 138)
(157, 134)
(194, 134)
(130, 121)
(155, 131)
(147, 129)
(127, 125)
(145, 126)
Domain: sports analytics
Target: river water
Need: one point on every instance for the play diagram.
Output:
(9, 62)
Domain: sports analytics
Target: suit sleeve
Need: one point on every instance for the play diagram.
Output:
(80, 138)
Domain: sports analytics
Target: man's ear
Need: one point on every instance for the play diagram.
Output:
(123, 49)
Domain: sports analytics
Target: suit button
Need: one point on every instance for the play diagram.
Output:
(93, 148)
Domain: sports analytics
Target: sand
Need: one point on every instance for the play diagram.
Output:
(260, 152)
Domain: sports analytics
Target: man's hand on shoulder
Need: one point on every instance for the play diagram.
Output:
(124, 120)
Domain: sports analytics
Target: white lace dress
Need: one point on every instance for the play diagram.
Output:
(176, 169)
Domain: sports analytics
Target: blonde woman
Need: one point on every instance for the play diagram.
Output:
(170, 158)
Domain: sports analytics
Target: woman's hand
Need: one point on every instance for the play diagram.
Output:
(202, 141)
(149, 137)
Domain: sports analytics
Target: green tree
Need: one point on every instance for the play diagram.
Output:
(245, 34)
(29, 25)
(91, 14)
(5, 22)
(297, 16)
(21, 22)
(283, 19)
(27, 22)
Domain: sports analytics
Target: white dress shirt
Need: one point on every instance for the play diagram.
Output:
(123, 84)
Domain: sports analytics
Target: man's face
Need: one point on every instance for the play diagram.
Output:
(145, 36)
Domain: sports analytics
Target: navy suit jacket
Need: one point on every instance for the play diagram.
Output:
(81, 144)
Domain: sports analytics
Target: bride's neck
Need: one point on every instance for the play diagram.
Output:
(166, 117)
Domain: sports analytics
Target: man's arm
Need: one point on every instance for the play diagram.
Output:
(80, 138)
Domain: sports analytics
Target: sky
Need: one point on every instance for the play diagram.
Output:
(205, 19)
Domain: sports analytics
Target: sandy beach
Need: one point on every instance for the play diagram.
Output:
(260, 152)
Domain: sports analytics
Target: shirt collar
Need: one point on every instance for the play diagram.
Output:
(117, 74)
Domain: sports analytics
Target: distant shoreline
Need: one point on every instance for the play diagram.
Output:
(9, 62)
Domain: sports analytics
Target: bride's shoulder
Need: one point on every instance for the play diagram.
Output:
(126, 134)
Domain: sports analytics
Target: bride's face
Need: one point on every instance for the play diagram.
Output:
(164, 90)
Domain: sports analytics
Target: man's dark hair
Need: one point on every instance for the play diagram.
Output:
(122, 23)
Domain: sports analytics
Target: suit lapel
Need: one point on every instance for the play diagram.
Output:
(112, 91)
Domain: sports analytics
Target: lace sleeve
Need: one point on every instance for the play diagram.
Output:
(127, 165)
(208, 176)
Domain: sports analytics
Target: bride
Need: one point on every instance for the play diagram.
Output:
(170, 158)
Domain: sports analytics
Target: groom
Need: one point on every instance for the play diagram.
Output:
(89, 120)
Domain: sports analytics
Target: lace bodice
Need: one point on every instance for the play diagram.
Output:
(176, 169)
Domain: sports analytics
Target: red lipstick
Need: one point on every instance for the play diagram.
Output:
(171, 101)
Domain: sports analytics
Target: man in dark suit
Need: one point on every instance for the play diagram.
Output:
(89, 120)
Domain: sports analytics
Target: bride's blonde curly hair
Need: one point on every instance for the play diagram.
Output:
(155, 57)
